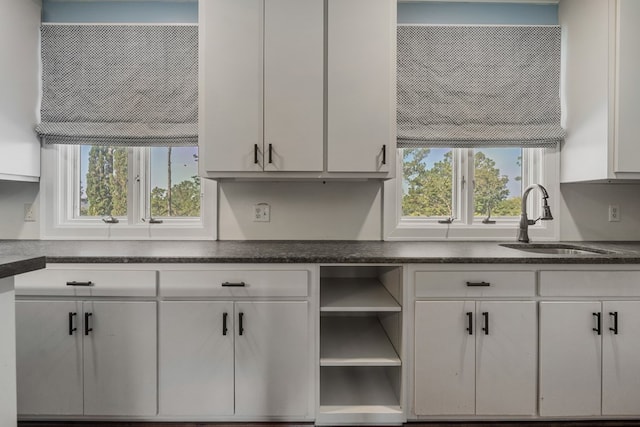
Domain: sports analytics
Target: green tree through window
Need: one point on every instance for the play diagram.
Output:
(428, 183)
(106, 182)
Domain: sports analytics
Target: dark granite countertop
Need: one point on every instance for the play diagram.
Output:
(74, 251)
(10, 265)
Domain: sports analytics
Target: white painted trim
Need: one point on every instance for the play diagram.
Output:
(13, 177)
(57, 223)
(397, 229)
(483, 1)
(126, 24)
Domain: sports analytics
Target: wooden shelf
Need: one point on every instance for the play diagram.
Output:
(355, 341)
(355, 294)
(357, 389)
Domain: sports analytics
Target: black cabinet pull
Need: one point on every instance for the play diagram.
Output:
(270, 153)
(598, 327)
(485, 328)
(74, 283)
(478, 284)
(615, 322)
(470, 322)
(72, 328)
(234, 284)
(384, 154)
(240, 325)
(224, 323)
(255, 153)
(87, 329)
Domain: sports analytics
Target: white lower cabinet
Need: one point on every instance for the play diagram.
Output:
(196, 358)
(248, 358)
(235, 343)
(86, 357)
(475, 357)
(589, 363)
(120, 368)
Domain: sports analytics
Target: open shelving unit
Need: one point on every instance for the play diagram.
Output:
(360, 345)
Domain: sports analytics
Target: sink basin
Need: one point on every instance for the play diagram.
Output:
(555, 249)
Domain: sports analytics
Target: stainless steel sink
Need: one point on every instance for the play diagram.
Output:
(555, 249)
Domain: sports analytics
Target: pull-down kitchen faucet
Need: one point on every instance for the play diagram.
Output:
(525, 222)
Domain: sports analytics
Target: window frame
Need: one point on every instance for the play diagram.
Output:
(60, 184)
(544, 164)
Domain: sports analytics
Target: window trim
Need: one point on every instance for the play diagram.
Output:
(397, 228)
(57, 207)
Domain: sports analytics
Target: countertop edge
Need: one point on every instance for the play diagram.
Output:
(341, 260)
(19, 266)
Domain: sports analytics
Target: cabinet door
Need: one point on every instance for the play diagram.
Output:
(196, 358)
(627, 149)
(506, 358)
(120, 358)
(231, 97)
(570, 359)
(49, 357)
(19, 86)
(621, 364)
(272, 359)
(294, 85)
(361, 85)
(444, 358)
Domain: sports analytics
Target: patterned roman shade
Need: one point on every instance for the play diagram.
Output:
(130, 85)
(470, 86)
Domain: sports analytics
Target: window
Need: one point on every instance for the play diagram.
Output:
(467, 193)
(96, 191)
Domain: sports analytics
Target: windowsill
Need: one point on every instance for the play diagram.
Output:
(489, 232)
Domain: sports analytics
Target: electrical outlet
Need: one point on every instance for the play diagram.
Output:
(614, 213)
(29, 213)
(261, 212)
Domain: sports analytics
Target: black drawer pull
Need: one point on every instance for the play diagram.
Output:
(72, 328)
(270, 153)
(598, 327)
(485, 328)
(615, 322)
(87, 329)
(470, 322)
(255, 153)
(234, 284)
(240, 322)
(224, 323)
(74, 283)
(478, 284)
(384, 154)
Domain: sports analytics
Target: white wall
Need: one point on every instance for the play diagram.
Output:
(301, 210)
(585, 211)
(349, 211)
(13, 197)
(352, 211)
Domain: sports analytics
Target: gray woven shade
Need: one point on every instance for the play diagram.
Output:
(119, 85)
(471, 86)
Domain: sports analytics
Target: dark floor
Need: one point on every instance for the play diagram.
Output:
(635, 423)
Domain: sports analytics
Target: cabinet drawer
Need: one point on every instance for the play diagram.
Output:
(590, 283)
(475, 284)
(234, 283)
(92, 283)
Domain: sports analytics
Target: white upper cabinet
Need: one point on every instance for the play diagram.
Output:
(284, 94)
(293, 85)
(361, 85)
(600, 89)
(19, 76)
(262, 94)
